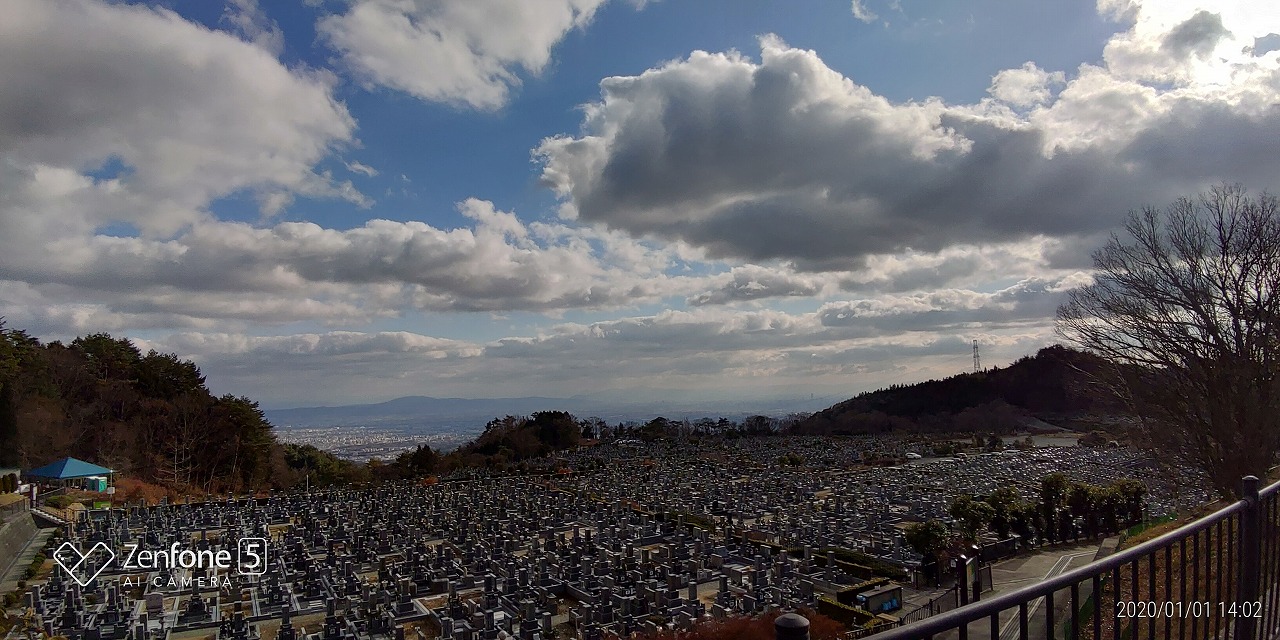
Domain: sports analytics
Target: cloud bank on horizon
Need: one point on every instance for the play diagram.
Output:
(241, 189)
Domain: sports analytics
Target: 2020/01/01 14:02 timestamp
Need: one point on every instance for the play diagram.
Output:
(1193, 609)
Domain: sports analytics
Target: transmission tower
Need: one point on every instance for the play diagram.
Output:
(977, 362)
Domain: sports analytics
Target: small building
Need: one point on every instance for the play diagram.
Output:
(73, 472)
(881, 599)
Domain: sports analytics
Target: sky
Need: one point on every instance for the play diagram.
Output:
(324, 202)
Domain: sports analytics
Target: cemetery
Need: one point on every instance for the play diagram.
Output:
(621, 540)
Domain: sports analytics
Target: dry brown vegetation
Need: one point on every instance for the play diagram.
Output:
(1190, 586)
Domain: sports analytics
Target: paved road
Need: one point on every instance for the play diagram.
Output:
(1009, 629)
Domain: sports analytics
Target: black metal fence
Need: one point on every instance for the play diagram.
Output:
(945, 601)
(1217, 577)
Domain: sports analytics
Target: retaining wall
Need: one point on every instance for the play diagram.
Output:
(18, 530)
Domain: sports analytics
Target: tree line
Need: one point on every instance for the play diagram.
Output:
(512, 444)
(1063, 510)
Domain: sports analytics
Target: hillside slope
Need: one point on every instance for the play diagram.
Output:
(150, 417)
(1053, 385)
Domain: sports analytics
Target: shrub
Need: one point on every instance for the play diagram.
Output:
(59, 502)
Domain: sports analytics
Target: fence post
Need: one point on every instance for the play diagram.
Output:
(791, 626)
(976, 585)
(1250, 556)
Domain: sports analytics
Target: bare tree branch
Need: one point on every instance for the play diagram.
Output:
(1185, 309)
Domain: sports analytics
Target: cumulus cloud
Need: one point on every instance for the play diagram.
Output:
(187, 113)
(158, 118)
(1025, 86)
(785, 159)
(463, 52)
(717, 181)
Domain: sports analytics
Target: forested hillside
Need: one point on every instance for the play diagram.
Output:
(1052, 384)
(148, 416)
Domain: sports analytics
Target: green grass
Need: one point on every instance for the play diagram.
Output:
(1139, 528)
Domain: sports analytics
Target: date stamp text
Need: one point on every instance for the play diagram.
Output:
(1193, 609)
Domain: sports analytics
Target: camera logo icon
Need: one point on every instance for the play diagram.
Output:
(83, 567)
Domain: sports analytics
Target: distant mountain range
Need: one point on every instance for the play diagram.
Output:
(472, 413)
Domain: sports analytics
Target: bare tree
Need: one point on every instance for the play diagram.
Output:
(1185, 311)
(183, 442)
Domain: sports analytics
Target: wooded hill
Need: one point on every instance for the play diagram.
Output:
(148, 416)
(1053, 384)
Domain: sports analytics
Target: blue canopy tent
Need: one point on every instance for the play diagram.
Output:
(71, 469)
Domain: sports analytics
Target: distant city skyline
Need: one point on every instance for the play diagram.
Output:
(330, 202)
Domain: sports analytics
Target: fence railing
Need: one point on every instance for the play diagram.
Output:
(945, 601)
(1217, 577)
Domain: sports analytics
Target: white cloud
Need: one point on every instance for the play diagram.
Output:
(463, 52)
(861, 12)
(250, 21)
(1025, 86)
(1030, 301)
(785, 159)
(295, 271)
(363, 169)
(961, 265)
(334, 343)
(189, 114)
(753, 282)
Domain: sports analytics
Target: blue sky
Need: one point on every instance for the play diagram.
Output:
(330, 201)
